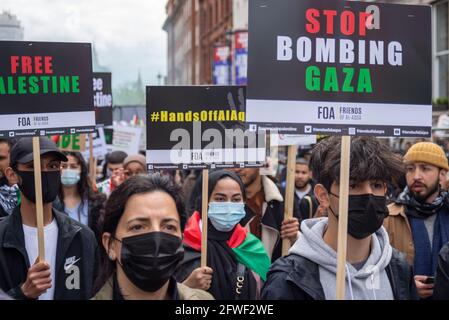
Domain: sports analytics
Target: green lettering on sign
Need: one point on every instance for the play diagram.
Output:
(331, 80)
(313, 78)
(364, 84)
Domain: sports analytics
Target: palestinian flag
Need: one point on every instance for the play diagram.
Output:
(247, 248)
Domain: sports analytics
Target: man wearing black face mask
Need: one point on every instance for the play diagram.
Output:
(418, 223)
(70, 248)
(374, 270)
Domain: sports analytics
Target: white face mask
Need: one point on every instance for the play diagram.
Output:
(70, 177)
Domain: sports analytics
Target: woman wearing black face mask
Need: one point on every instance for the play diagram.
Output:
(142, 239)
(236, 259)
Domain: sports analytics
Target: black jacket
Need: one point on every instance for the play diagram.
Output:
(301, 208)
(75, 241)
(441, 290)
(224, 272)
(273, 217)
(3, 213)
(296, 278)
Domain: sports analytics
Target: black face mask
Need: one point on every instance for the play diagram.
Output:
(150, 259)
(366, 214)
(51, 182)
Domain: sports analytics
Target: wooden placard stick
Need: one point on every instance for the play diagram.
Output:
(204, 208)
(39, 204)
(289, 192)
(343, 216)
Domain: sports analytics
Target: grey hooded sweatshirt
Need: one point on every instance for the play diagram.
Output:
(368, 283)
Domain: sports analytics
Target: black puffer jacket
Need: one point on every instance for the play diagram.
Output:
(296, 278)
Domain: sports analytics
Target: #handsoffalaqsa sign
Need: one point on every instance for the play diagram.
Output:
(197, 127)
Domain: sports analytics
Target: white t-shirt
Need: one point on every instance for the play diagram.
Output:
(51, 241)
(301, 194)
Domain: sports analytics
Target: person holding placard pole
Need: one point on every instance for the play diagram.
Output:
(236, 260)
(69, 266)
(374, 269)
(142, 242)
(265, 212)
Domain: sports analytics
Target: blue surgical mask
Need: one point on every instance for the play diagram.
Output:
(224, 216)
(70, 177)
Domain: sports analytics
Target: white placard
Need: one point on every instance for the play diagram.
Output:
(126, 139)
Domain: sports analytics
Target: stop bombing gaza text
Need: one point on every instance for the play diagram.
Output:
(343, 51)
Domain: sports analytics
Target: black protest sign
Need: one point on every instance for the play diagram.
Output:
(340, 68)
(193, 127)
(102, 86)
(45, 88)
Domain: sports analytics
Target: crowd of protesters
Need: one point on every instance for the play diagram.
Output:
(136, 235)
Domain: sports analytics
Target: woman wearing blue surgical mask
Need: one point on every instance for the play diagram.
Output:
(77, 197)
(237, 262)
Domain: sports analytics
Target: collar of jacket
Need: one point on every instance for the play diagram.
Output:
(271, 191)
(14, 237)
(184, 292)
(396, 209)
(273, 202)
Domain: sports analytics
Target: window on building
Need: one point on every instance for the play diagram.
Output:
(211, 23)
(442, 48)
(223, 8)
(216, 11)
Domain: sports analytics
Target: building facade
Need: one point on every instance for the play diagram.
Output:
(182, 30)
(215, 28)
(193, 28)
(10, 27)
